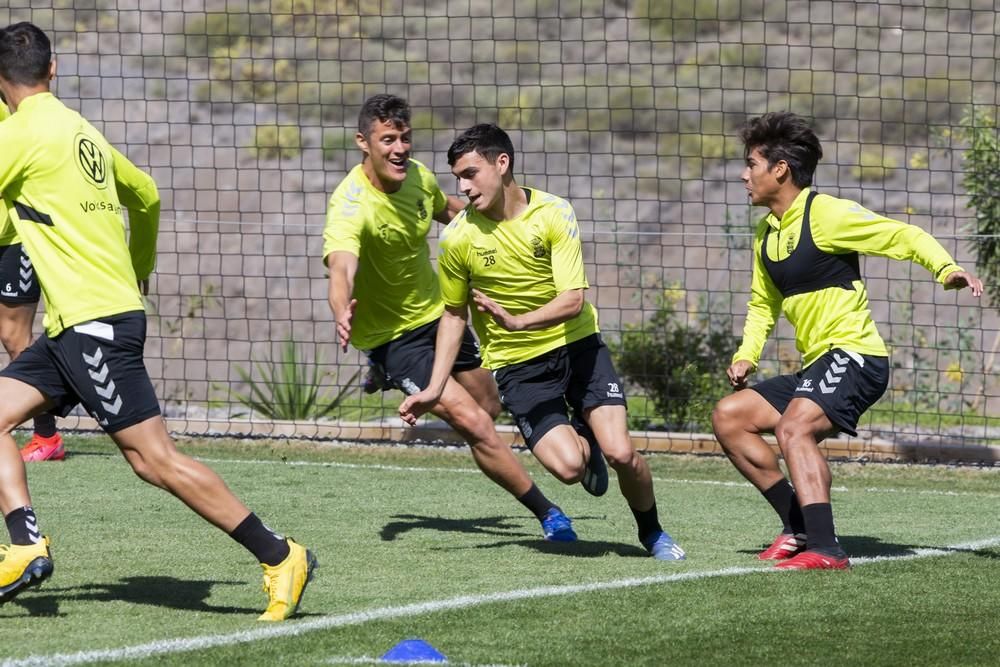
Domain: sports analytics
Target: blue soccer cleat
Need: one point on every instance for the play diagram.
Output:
(662, 547)
(558, 527)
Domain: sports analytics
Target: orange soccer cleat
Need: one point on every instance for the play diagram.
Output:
(815, 560)
(784, 546)
(44, 449)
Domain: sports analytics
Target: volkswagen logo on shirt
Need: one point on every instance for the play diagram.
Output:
(90, 160)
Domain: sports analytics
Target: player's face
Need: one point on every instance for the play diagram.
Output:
(481, 180)
(387, 148)
(761, 180)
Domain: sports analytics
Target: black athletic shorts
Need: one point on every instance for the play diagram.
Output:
(536, 391)
(18, 283)
(844, 384)
(406, 362)
(97, 364)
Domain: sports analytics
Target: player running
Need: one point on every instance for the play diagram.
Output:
(64, 187)
(386, 302)
(19, 296)
(515, 253)
(805, 264)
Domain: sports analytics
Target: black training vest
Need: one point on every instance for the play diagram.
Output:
(807, 268)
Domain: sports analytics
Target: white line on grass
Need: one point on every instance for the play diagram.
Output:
(295, 628)
(337, 464)
(666, 480)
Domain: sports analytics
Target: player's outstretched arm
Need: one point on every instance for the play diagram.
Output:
(343, 266)
(962, 279)
(451, 328)
(562, 308)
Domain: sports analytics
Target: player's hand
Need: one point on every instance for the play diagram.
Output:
(738, 373)
(344, 324)
(415, 406)
(960, 279)
(487, 305)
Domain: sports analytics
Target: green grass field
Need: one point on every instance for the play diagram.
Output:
(415, 543)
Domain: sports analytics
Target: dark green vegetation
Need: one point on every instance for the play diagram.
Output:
(678, 361)
(291, 388)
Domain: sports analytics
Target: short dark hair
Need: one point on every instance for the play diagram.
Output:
(782, 135)
(25, 54)
(383, 108)
(486, 139)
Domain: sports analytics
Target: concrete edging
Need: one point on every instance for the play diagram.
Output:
(870, 449)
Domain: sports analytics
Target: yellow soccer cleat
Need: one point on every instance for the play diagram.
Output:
(23, 566)
(285, 582)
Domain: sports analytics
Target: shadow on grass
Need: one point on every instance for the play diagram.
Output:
(166, 592)
(489, 525)
(36, 605)
(510, 528)
(865, 546)
(578, 549)
(993, 553)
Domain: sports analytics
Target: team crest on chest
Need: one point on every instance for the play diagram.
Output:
(421, 210)
(383, 232)
(537, 247)
(790, 243)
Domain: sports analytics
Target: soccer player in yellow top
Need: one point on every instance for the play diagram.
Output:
(516, 252)
(19, 296)
(385, 297)
(806, 265)
(64, 187)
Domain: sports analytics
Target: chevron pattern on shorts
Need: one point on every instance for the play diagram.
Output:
(103, 385)
(27, 274)
(834, 374)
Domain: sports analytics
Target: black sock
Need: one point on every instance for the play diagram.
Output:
(22, 524)
(536, 502)
(820, 534)
(266, 545)
(45, 425)
(647, 521)
(784, 501)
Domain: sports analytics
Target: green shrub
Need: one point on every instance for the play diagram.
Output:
(290, 389)
(680, 362)
(874, 165)
(982, 184)
(336, 141)
(277, 141)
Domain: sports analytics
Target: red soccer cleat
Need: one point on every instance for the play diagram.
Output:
(44, 449)
(814, 560)
(784, 546)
